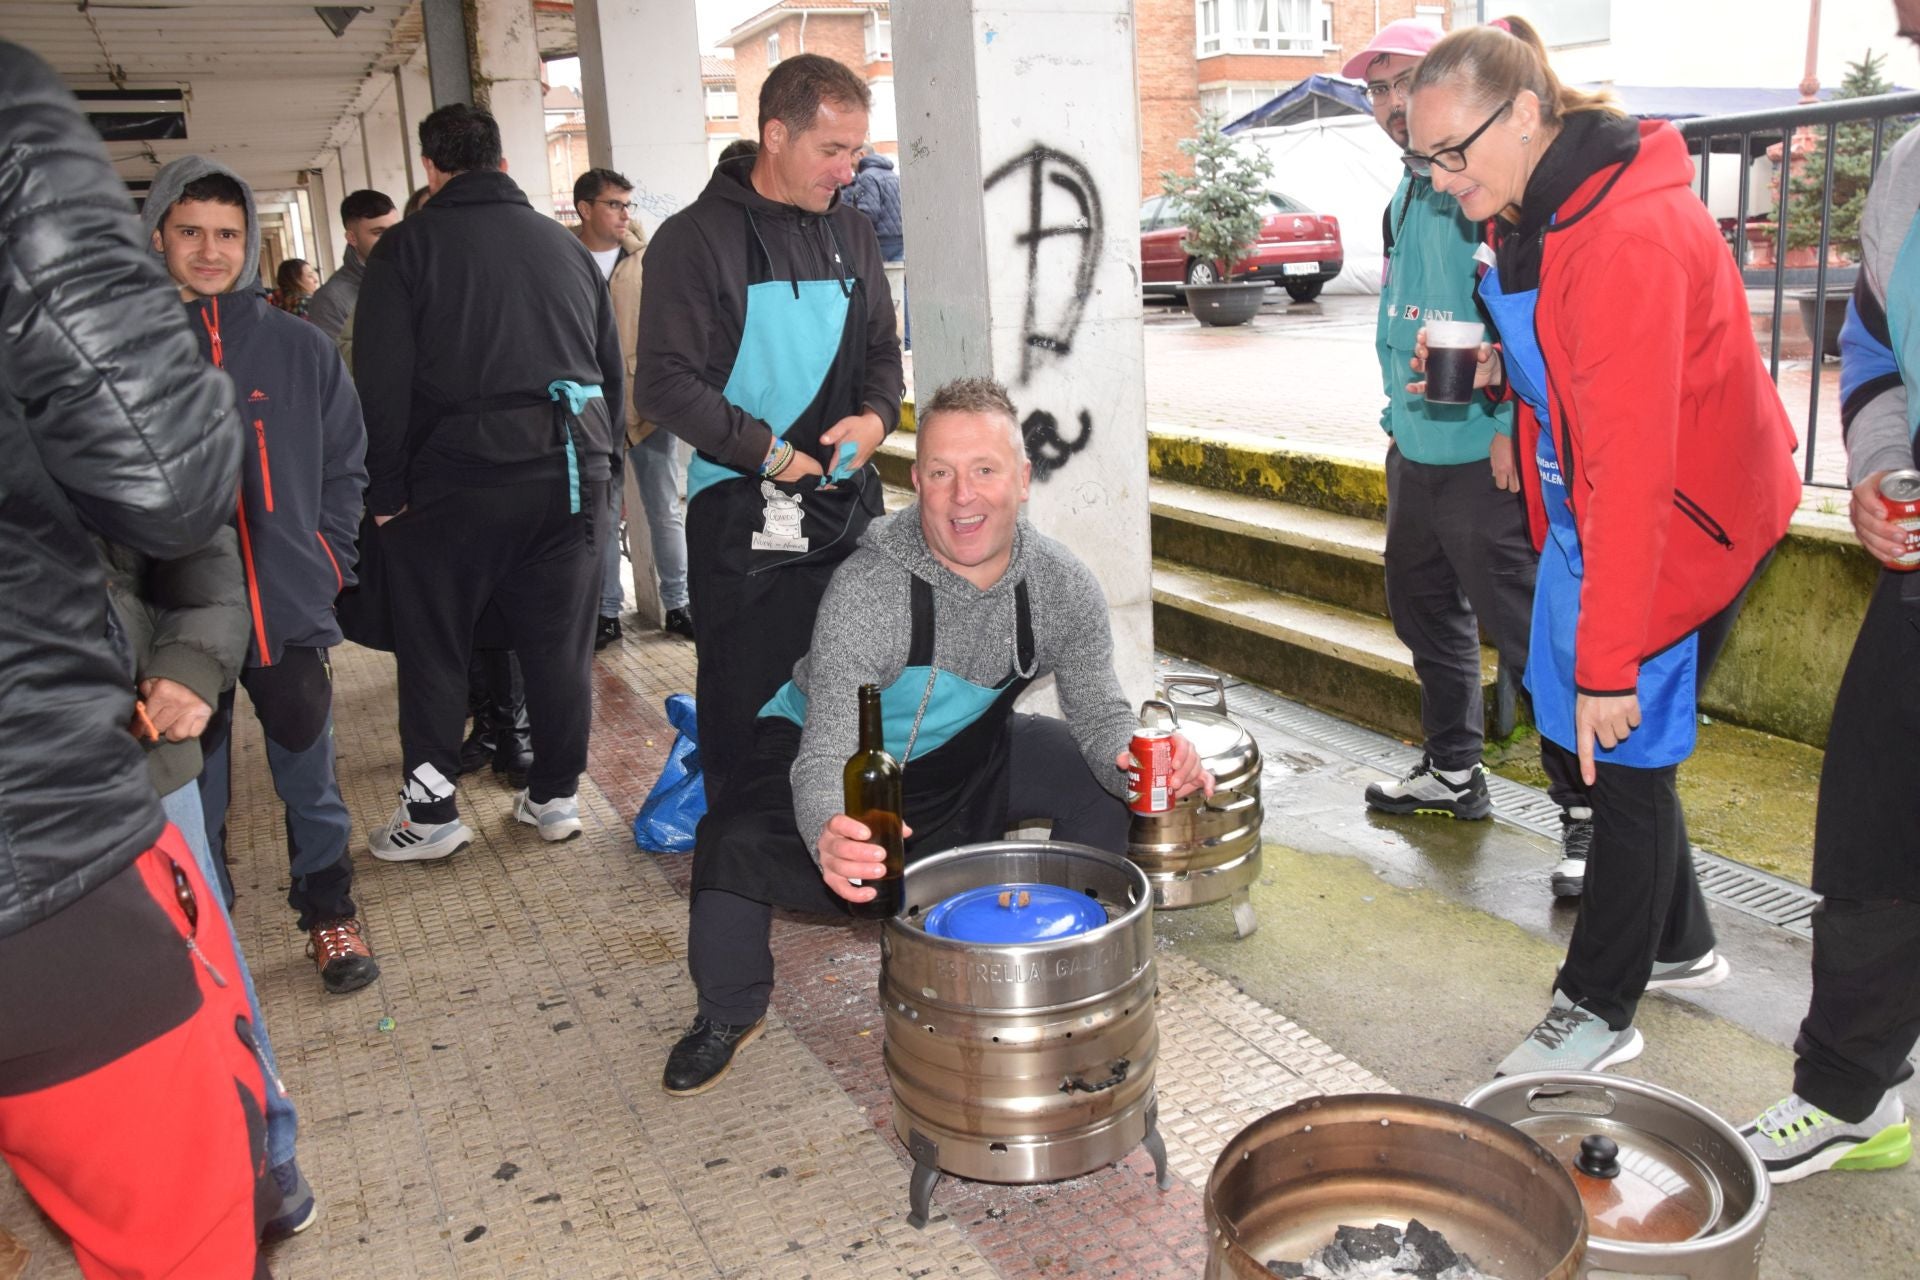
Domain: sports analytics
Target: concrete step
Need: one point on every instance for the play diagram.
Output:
(1347, 663)
(1303, 551)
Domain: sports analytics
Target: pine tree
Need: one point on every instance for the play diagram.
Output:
(1224, 203)
(1852, 172)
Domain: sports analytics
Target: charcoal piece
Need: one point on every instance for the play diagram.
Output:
(1364, 1244)
(1430, 1248)
(1287, 1268)
(1334, 1260)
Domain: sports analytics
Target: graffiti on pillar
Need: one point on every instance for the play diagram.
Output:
(1060, 239)
(1046, 330)
(1047, 449)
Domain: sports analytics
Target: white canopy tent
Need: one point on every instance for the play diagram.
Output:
(1341, 165)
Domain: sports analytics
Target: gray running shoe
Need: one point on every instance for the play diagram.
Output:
(1429, 791)
(1795, 1139)
(558, 818)
(1571, 1039)
(1709, 970)
(403, 840)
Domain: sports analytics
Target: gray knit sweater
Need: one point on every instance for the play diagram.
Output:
(865, 626)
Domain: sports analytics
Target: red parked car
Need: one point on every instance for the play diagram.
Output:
(1297, 249)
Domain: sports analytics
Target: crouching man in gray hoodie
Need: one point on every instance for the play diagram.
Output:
(952, 607)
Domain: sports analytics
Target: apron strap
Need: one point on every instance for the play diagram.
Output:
(1026, 652)
(920, 602)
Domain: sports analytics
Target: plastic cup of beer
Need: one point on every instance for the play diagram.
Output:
(1453, 356)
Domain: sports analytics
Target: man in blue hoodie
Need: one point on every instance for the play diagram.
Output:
(298, 516)
(1459, 556)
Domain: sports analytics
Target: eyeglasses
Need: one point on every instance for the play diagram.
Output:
(1379, 90)
(1452, 159)
(615, 204)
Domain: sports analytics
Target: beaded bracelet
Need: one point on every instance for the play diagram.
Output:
(777, 458)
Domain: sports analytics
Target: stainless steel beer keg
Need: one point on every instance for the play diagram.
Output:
(1018, 984)
(1206, 849)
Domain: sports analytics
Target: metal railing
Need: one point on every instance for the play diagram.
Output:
(1763, 129)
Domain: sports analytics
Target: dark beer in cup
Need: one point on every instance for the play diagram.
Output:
(1453, 356)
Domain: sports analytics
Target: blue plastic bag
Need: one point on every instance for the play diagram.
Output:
(678, 801)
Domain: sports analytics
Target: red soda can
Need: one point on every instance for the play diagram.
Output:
(1150, 783)
(1900, 495)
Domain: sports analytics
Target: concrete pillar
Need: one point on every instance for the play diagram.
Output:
(1036, 277)
(322, 207)
(449, 55)
(646, 117)
(388, 157)
(333, 176)
(362, 152)
(414, 96)
(506, 83)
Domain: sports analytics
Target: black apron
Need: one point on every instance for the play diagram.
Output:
(955, 794)
(761, 552)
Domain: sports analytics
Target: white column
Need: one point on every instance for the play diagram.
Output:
(506, 83)
(646, 116)
(414, 89)
(1019, 142)
(387, 160)
(321, 207)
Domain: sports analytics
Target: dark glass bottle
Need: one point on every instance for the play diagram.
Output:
(872, 781)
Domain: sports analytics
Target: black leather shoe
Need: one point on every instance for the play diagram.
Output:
(607, 632)
(701, 1059)
(478, 748)
(679, 622)
(513, 759)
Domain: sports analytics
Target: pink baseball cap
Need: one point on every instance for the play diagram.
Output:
(1410, 36)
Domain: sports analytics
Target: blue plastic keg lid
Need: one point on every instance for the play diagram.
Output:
(1015, 913)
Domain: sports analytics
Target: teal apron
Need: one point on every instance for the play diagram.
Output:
(1667, 684)
(761, 552)
(1903, 319)
(952, 738)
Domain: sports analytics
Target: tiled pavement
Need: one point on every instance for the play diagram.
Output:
(511, 1124)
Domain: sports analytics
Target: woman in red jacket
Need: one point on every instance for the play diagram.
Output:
(1661, 478)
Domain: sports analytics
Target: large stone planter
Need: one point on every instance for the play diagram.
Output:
(1225, 304)
(1809, 303)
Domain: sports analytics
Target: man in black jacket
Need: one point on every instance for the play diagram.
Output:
(300, 487)
(767, 342)
(489, 365)
(130, 1102)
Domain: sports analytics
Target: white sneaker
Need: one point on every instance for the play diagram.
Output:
(403, 840)
(1709, 970)
(558, 818)
(1795, 1139)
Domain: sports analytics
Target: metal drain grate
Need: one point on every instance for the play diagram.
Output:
(1741, 888)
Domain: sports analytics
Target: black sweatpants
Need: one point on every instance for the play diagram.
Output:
(1641, 902)
(728, 950)
(1459, 559)
(518, 547)
(1864, 1018)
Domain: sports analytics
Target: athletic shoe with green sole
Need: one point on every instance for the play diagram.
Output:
(1437, 793)
(1795, 1139)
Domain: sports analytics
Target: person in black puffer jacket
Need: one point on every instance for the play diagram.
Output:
(131, 1104)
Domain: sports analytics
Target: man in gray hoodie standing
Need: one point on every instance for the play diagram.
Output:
(952, 607)
(364, 218)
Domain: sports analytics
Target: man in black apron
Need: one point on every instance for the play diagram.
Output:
(488, 361)
(767, 342)
(952, 607)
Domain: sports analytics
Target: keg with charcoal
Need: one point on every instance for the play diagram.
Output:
(1368, 1182)
(1018, 985)
(1205, 849)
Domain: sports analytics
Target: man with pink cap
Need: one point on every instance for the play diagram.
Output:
(1458, 553)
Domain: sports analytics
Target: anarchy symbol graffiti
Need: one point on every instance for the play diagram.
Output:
(1048, 169)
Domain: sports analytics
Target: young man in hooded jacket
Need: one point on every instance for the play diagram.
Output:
(298, 516)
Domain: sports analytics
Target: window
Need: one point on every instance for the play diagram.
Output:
(1326, 25)
(882, 124)
(1564, 23)
(773, 47)
(1258, 26)
(1231, 101)
(723, 103)
(1434, 15)
(879, 38)
(1150, 213)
